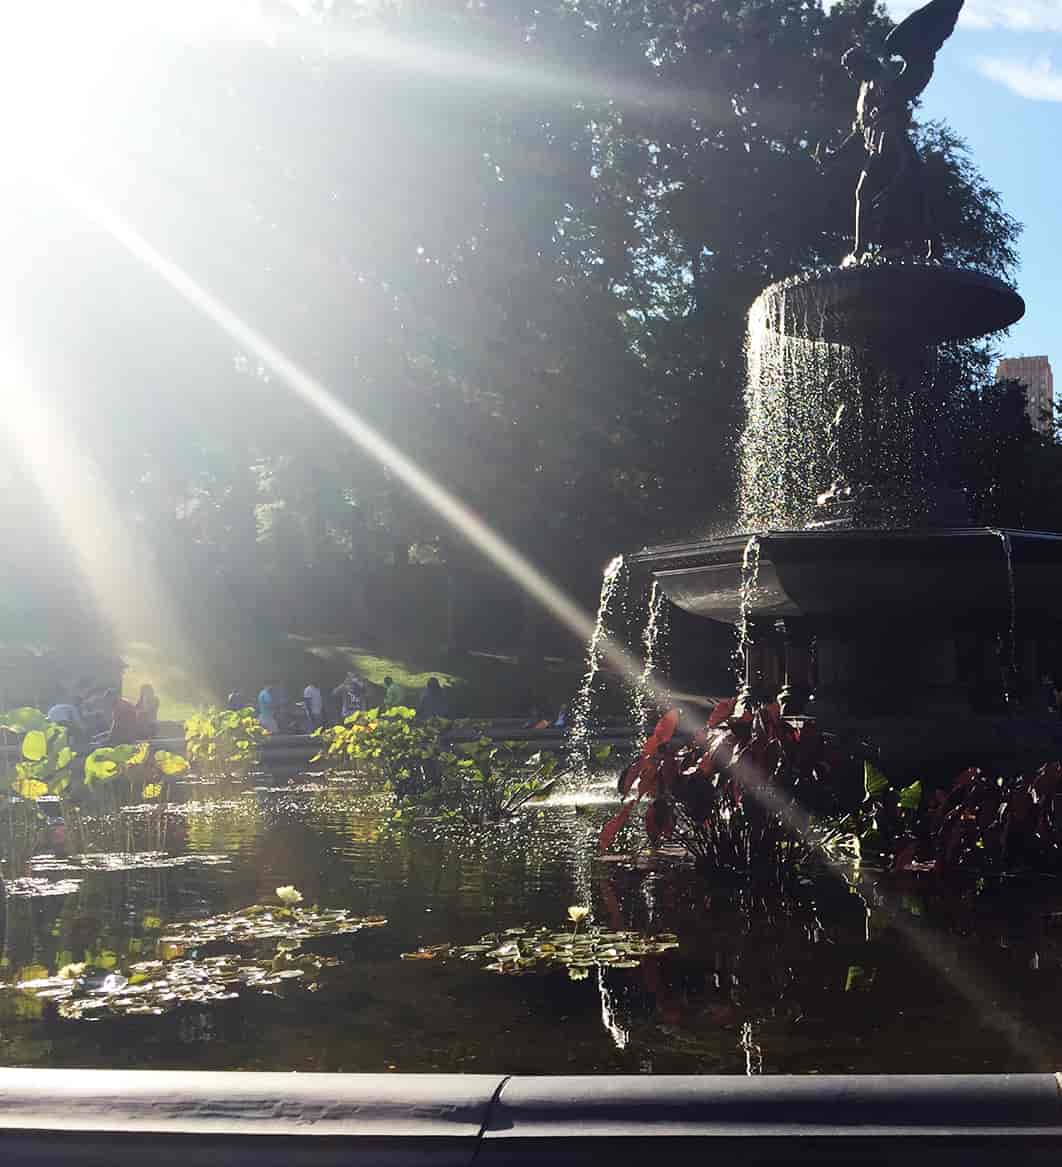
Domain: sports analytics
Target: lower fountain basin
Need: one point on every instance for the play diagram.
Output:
(858, 624)
(942, 576)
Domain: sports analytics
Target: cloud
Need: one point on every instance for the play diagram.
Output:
(1037, 80)
(1020, 15)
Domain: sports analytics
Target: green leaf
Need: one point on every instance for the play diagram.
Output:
(858, 978)
(100, 766)
(602, 753)
(24, 719)
(29, 788)
(170, 764)
(876, 783)
(34, 746)
(152, 790)
(64, 757)
(131, 755)
(911, 796)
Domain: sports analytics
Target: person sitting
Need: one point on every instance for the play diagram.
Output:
(432, 701)
(124, 726)
(69, 717)
(147, 712)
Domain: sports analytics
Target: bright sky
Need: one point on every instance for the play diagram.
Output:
(999, 84)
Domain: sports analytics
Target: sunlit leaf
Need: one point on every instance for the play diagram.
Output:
(876, 783)
(30, 788)
(910, 797)
(170, 764)
(152, 790)
(100, 766)
(34, 746)
(23, 720)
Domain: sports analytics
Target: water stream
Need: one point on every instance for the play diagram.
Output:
(1012, 647)
(582, 722)
(645, 695)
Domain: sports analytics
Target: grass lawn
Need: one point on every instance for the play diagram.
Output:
(484, 684)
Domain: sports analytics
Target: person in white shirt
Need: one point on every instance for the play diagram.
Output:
(311, 697)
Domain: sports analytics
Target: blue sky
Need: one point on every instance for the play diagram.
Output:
(999, 85)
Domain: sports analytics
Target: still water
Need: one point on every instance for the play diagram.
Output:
(875, 978)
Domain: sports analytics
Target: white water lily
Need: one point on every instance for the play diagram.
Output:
(289, 895)
(577, 914)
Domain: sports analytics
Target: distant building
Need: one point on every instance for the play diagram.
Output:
(1035, 374)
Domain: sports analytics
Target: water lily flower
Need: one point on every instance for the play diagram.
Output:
(289, 895)
(70, 972)
(577, 914)
(578, 974)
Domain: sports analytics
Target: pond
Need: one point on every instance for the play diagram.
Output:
(846, 975)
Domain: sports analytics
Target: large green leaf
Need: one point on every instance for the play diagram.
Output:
(911, 796)
(24, 719)
(876, 782)
(29, 788)
(34, 746)
(100, 766)
(170, 764)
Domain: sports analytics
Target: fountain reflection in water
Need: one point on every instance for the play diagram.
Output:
(611, 605)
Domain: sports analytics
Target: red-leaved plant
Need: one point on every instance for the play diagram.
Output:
(979, 824)
(738, 794)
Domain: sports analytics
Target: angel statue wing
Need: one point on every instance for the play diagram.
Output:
(918, 39)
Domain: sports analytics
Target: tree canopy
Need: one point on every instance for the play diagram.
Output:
(517, 238)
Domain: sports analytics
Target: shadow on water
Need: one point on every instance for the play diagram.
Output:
(827, 980)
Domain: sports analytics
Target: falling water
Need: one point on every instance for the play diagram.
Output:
(834, 432)
(752, 1050)
(642, 697)
(581, 727)
(1008, 558)
(750, 580)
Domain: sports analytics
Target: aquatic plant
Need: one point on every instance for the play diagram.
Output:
(977, 823)
(431, 775)
(388, 746)
(47, 760)
(222, 743)
(518, 951)
(480, 782)
(265, 953)
(740, 795)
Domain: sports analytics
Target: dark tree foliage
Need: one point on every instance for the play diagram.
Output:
(518, 238)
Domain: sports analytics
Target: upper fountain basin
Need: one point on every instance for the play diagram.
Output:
(939, 576)
(918, 304)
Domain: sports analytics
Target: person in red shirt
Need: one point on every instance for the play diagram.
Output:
(124, 728)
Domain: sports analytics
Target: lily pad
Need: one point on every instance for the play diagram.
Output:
(122, 861)
(182, 976)
(523, 949)
(29, 887)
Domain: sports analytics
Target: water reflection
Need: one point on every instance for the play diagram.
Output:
(833, 979)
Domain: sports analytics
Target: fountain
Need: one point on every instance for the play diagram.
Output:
(863, 596)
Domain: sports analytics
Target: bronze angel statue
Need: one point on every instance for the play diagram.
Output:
(893, 217)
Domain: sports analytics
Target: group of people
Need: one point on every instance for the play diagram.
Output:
(277, 714)
(98, 716)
